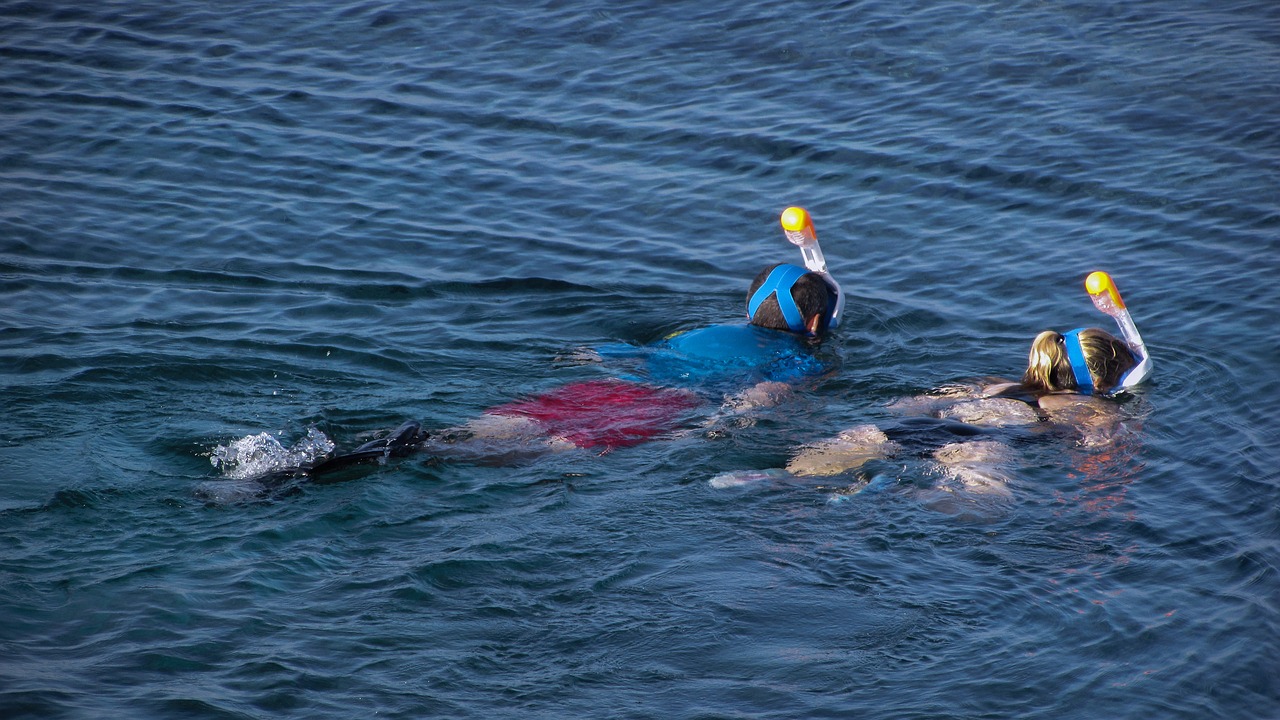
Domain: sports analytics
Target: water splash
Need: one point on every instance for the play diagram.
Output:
(257, 455)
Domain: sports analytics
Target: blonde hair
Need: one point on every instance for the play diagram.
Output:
(1048, 369)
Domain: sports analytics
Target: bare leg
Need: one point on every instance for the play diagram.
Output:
(844, 452)
(495, 438)
(981, 466)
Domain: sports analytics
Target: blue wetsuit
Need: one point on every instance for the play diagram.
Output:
(661, 384)
(721, 358)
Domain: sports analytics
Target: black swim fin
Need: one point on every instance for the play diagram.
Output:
(402, 441)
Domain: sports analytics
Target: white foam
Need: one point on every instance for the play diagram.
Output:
(257, 455)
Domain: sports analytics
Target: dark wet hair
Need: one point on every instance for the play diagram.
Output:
(810, 292)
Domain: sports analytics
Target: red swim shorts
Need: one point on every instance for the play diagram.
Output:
(605, 413)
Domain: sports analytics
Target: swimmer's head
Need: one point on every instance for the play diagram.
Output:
(789, 297)
(1088, 360)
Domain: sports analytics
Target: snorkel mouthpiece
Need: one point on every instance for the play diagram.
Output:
(797, 226)
(1106, 297)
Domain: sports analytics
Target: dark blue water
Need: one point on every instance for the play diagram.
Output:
(219, 220)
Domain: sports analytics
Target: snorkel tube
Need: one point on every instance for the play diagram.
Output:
(798, 227)
(1107, 299)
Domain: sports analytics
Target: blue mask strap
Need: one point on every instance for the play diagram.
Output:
(778, 284)
(1075, 355)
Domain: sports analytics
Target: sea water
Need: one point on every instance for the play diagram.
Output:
(224, 226)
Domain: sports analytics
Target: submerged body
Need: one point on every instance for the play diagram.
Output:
(980, 414)
(1057, 389)
(722, 368)
(662, 387)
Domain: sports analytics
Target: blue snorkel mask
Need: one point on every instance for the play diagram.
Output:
(778, 286)
(797, 225)
(1079, 368)
(1107, 299)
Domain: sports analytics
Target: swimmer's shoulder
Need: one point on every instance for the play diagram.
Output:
(1011, 390)
(1048, 402)
(1059, 401)
(730, 343)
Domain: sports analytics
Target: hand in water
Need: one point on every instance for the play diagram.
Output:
(761, 395)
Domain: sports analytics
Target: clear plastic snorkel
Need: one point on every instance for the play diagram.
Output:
(798, 227)
(1107, 299)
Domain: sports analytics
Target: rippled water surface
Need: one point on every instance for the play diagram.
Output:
(315, 220)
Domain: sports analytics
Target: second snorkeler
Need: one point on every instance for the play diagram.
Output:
(1067, 381)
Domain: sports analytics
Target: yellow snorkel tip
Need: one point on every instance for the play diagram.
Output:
(1098, 283)
(796, 219)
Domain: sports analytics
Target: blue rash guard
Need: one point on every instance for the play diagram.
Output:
(722, 358)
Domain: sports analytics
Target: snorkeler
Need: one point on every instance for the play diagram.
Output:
(1071, 369)
(790, 309)
(658, 387)
(1066, 382)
